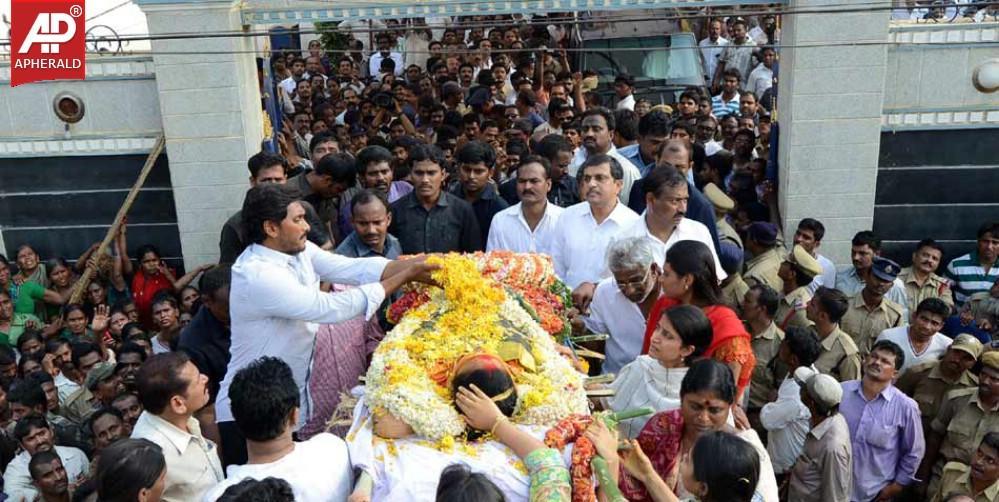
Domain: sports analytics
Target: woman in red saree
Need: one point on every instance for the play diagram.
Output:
(689, 278)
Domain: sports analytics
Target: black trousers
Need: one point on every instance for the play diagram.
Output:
(233, 444)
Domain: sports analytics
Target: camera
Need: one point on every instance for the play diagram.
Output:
(384, 100)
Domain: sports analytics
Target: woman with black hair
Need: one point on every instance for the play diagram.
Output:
(721, 468)
(152, 276)
(681, 336)
(707, 394)
(689, 278)
(131, 470)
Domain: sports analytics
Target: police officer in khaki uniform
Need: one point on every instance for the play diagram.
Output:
(797, 272)
(965, 417)
(723, 204)
(978, 478)
(758, 309)
(929, 382)
(920, 280)
(761, 241)
(840, 356)
(870, 312)
(733, 287)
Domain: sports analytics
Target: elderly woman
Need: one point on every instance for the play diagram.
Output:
(622, 303)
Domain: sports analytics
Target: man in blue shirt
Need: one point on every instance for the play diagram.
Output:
(653, 131)
(370, 218)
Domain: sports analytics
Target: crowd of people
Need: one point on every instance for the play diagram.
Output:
(774, 374)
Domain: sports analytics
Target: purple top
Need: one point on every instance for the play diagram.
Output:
(887, 438)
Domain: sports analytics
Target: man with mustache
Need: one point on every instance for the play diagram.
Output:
(370, 218)
(429, 219)
(978, 270)
(885, 430)
(585, 229)
(921, 281)
(35, 435)
(929, 382)
(528, 226)
(597, 128)
(965, 417)
(374, 172)
(979, 480)
(864, 249)
(921, 339)
(275, 304)
(870, 311)
(664, 221)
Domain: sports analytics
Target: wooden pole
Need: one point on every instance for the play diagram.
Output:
(81, 284)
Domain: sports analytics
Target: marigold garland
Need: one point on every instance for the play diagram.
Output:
(476, 308)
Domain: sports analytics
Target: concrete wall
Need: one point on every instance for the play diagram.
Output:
(830, 120)
(212, 119)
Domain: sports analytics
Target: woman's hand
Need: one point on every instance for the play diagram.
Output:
(389, 427)
(478, 410)
(636, 463)
(100, 322)
(604, 439)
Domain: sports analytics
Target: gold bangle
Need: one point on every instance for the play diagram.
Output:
(496, 424)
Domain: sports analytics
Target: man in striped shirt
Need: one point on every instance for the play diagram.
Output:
(976, 271)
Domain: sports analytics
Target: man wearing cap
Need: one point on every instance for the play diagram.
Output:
(104, 383)
(929, 382)
(870, 312)
(797, 272)
(885, 430)
(977, 478)
(965, 417)
(787, 418)
(624, 84)
(733, 287)
(864, 248)
(921, 340)
(920, 280)
(723, 204)
(824, 470)
(840, 356)
(763, 267)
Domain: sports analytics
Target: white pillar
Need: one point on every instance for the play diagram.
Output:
(210, 104)
(829, 110)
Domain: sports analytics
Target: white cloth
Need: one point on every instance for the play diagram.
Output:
(711, 51)
(65, 387)
(318, 470)
(712, 147)
(17, 483)
(828, 276)
(686, 230)
(409, 468)
(288, 85)
(613, 313)
(760, 79)
(787, 420)
(276, 305)
(375, 63)
(193, 465)
(631, 173)
(900, 336)
(626, 103)
(580, 243)
(645, 382)
(509, 230)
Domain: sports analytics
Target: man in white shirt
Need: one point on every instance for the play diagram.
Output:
(275, 300)
(265, 403)
(620, 301)
(297, 73)
(921, 341)
(34, 434)
(664, 221)
(597, 130)
(384, 42)
(711, 48)
(529, 226)
(585, 229)
(787, 419)
(172, 390)
(762, 77)
(809, 236)
(624, 86)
